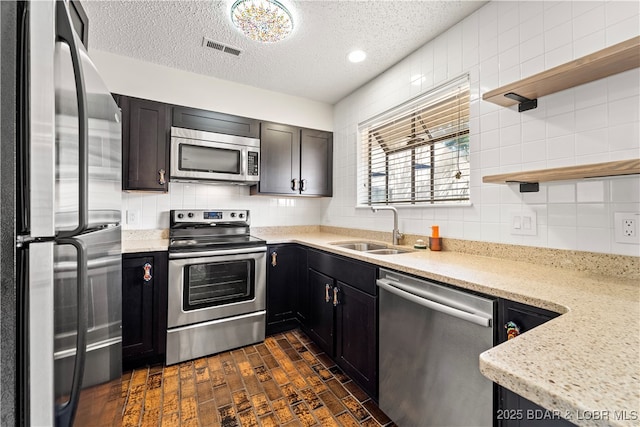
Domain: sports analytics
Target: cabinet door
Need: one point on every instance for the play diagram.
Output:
(145, 144)
(321, 323)
(316, 163)
(211, 121)
(357, 336)
(280, 159)
(144, 312)
(282, 274)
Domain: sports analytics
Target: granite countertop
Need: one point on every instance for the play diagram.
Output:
(144, 241)
(583, 365)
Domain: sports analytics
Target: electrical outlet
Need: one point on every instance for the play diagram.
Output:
(626, 227)
(629, 227)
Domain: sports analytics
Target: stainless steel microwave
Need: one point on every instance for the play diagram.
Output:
(198, 156)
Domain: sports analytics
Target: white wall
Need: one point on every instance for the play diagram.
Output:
(500, 43)
(141, 79)
(150, 81)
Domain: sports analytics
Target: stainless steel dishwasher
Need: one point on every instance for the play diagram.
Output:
(431, 337)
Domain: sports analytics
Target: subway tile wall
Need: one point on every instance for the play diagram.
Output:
(151, 211)
(500, 43)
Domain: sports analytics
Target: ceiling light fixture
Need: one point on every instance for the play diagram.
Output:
(357, 56)
(265, 21)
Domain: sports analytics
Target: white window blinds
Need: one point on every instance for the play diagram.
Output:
(418, 152)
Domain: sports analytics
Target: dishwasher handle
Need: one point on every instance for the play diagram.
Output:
(460, 314)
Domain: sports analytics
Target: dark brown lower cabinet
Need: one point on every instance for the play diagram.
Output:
(285, 283)
(514, 410)
(343, 315)
(334, 299)
(321, 324)
(144, 308)
(356, 347)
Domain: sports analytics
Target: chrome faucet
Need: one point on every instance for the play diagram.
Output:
(397, 235)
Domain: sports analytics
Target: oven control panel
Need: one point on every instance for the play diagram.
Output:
(208, 216)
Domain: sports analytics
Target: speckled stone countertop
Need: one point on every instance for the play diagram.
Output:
(583, 365)
(144, 240)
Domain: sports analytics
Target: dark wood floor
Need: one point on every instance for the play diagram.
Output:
(285, 381)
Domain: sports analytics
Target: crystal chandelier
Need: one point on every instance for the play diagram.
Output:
(262, 20)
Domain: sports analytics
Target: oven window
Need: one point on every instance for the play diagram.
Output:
(217, 283)
(209, 159)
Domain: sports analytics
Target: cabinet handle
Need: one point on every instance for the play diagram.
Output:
(303, 184)
(294, 184)
(274, 258)
(161, 177)
(327, 298)
(335, 296)
(147, 272)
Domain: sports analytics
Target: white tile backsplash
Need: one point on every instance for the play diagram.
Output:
(265, 210)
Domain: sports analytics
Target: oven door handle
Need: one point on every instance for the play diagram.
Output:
(183, 255)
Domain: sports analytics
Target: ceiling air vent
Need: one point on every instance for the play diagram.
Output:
(221, 47)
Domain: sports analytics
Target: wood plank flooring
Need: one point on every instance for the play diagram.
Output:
(285, 381)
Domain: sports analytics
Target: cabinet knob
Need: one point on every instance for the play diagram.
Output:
(327, 298)
(303, 184)
(161, 177)
(335, 296)
(294, 184)
(147, 272)
(274, 258)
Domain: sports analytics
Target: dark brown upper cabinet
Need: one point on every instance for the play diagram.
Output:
(295, 161)
(211, 121)
(145, 144)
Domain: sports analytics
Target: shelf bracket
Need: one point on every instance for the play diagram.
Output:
(525, 104)
(529, 187)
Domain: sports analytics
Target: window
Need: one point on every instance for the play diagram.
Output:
(418, 152)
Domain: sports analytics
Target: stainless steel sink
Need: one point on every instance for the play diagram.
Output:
(389, 251)
(360, 246)
(371, 248)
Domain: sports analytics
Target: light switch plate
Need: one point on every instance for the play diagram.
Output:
(133, 217)
(524, 223)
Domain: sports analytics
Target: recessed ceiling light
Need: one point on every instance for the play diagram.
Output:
(262, 20)
(357, 56)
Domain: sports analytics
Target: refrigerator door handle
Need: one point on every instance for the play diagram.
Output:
(65, 33)
(65, 413)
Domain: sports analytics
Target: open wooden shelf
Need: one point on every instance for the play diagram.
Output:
(594, 170)
(606, 62)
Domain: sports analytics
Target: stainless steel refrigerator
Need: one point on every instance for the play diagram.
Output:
(67, 227)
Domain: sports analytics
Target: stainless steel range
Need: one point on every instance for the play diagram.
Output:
(217, 283)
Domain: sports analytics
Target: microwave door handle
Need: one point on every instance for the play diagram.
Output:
(65, 33)
(244, 168)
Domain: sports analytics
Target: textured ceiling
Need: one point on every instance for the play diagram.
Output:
(310, 63)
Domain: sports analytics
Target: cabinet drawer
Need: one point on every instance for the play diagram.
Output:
(357, 274)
